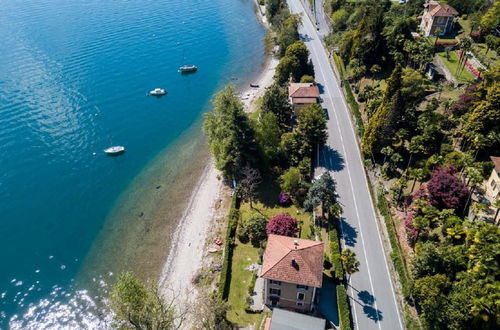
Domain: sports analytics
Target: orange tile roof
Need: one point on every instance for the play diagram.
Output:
(496, 161)
(303, 90)
(300, 263)
(438, 9)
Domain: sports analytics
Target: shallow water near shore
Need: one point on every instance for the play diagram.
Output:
(73, 80)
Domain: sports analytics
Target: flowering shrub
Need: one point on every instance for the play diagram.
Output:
(465, 101)
(470, 67)
(284, 198)
(445, 190)
(421, 193)
(282, 224)
(411, 231)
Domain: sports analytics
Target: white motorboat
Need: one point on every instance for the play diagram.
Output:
(115, 150)
(188, 68)
(158, 92)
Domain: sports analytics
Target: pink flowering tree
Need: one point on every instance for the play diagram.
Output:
(445, 190)
(282, 224)
(411, 231)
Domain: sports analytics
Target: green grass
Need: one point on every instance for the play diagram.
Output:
(244, 255)
(452, 64)
(490, 59)
(465, 24)
(267, 205)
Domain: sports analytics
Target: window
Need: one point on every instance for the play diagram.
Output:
(274, 292)
(300, 304)
(302, 287)
(440, 20)
(275, 282)
(301, 296)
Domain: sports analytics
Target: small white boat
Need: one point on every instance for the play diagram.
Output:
(188, 68)
(115, 150)
(158, 92)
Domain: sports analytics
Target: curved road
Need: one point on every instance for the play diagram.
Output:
(371, 291)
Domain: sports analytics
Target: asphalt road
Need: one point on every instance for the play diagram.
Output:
(371, 290)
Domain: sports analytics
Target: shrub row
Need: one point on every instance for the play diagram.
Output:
(353, 104)
(340, 67)
(396, 254)
(343, 306)
(335, 253)
(225, 274)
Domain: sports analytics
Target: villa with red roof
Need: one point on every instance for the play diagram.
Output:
(436, 17)
(292, 270)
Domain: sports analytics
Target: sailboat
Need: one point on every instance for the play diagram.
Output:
(187, 68)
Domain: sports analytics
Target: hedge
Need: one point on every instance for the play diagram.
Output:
(225, 274)
(338, 270)
(340, 67)
(396, 254)
(353, 104)
(343, 306)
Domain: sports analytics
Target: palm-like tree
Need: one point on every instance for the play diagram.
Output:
(465, 45)
(349, 261)
(496, 204)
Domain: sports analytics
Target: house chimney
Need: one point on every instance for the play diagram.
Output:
(295, 264)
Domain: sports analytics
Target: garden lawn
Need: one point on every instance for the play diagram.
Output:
(244, 255)
(491, 58)
(267, 205)
(452, 64)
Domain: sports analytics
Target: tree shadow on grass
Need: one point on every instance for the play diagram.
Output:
(349, 233)
(268, 191)
(331, 159)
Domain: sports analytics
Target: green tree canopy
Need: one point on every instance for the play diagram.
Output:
(230, 135)
(142, 306)
(382, 125)
(312, 127)
(275, 100)
(322, 192)
(268, 135)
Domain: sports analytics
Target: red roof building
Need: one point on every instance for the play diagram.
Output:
(302, 94)
(293, 270)
(437, 17)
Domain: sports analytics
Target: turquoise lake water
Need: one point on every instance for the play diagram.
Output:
(74, 77)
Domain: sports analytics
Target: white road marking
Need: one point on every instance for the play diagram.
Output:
(352, 188)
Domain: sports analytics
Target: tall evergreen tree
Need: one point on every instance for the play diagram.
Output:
(230, 135)
(382, 124)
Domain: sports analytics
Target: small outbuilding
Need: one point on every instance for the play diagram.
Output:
(286, 320)
(302, 94)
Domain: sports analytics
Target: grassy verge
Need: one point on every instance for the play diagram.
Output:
(396, 254)
(452, 65)
(351, 100)
(398, 261)
(353, 105)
